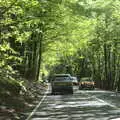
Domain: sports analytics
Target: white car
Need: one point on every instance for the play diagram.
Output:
(74, 80)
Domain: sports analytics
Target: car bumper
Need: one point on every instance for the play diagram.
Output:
(86, 86)
(62, 89)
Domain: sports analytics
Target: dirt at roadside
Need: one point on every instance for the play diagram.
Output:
(13, 106)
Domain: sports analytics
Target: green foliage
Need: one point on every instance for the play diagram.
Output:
(40, 35)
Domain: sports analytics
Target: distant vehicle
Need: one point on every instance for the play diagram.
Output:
(86, 82)
(74, 80)
(62, 83)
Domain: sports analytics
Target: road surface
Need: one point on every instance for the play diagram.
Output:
(82, 105)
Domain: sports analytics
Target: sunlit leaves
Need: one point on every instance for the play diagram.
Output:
(58, 29)
(5, 47)
(23, 37)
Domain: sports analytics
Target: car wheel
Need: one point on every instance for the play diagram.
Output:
(93, 88)
(53, 92)
(80, 88)
(71, 91)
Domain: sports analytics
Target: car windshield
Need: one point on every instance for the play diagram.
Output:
(86, 80)
(61, 78)
(74, 78)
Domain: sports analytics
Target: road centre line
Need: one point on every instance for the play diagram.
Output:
(38, 105)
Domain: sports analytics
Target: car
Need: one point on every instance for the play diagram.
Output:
(62, 83)
(86, 83)
(74, 80)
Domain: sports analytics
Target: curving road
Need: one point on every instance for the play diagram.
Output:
(82, 105)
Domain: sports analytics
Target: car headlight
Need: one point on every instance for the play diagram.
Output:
(93, 83)
(82, 82)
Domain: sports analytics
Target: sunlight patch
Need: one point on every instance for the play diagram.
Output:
(82, 104)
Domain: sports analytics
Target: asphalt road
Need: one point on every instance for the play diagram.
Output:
(82, 105)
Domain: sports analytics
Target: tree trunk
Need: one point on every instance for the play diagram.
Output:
(39, 56)
(105, 65)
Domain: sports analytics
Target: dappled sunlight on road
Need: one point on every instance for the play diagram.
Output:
(79, 106)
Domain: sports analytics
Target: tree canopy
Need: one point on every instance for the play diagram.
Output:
(42, 35)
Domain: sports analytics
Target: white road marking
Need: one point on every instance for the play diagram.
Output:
(116, 119)
(102, 101)
(38, 105)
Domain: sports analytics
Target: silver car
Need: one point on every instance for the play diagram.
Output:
(62, 83)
